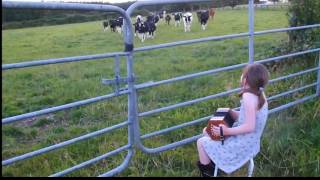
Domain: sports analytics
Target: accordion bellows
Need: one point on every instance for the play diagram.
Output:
(221, 116)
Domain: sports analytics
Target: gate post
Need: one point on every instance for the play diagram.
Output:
(133, 130)
(318, 81)
(251, 31)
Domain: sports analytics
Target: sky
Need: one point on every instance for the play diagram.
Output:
(109, 1)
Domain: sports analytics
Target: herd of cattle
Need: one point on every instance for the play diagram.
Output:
(145, 27)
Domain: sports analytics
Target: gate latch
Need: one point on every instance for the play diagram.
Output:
(118, 80)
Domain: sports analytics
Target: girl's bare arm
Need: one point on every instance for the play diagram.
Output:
(250, 108)
(234, 114)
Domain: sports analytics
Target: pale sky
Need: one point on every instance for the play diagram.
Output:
(109, 1)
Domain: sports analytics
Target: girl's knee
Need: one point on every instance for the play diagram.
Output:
(200, 142)
(204, 130)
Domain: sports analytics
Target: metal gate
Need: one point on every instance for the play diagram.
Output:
(134, 136)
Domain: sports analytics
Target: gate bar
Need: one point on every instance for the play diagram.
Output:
(91, 161)
(61, 60)
(146, 48)
(203, 119)
(214, 71)
(225, 93)
(128, 39)
(280, 108)
(120, 168)
(60, 108)
(62, 144)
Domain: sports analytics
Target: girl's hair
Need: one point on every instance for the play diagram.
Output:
(257, 77)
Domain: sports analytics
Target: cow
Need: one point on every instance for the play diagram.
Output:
(105, 25)
(212, 12)
(168, 19)
(120, 24)
(187, 21)
(151, 28)
(116, 24)
(177, 18)
(145, 29)
(139, 18)
(153, 18)
(204, 17)
(141, 30)
(160, 15)
(156, 19)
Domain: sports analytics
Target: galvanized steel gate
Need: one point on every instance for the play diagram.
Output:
(134, 137)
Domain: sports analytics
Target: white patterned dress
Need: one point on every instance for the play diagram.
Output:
(237, 149)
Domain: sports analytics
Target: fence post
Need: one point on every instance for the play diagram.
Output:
(251, 31)
(318, 81)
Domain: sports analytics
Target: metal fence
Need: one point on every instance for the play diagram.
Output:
(278, 6)
(134, 136)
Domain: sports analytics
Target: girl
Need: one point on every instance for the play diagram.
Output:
(243, 138)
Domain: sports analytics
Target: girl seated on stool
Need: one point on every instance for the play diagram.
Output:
(242, 139)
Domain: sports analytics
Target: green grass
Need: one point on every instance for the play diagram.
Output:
(30, 89)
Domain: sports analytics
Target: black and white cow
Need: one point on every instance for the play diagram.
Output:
(160, 15)
(116, 24)
(105, 25)
(204, 17)
(145, 29)
(140, 29)
(151, 28)
(153, 18)
(187, 21)
(139, 20)
(177, 18)
(168, 19)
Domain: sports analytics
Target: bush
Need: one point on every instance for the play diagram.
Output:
(304, 13)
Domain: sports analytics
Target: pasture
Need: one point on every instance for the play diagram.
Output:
(283, 151)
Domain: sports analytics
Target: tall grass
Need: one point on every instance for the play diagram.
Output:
(26, 90)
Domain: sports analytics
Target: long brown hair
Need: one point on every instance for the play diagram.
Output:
(257, 77)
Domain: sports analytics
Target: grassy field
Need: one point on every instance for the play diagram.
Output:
(283, 152)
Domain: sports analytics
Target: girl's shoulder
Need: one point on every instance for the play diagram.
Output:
(250, 98)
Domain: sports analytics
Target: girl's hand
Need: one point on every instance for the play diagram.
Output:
(216, 130)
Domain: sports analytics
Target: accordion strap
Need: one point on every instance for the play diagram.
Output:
(221, 135)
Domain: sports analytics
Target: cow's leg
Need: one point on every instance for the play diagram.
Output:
(144, 37)
(140, 36)
(119, 30)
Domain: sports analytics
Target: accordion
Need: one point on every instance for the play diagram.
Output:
(221, 116)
